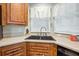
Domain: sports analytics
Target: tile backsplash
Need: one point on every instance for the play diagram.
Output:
(13, 30)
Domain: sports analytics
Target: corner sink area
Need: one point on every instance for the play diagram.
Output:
(36, 37)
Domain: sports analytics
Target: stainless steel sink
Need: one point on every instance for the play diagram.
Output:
(34, 37)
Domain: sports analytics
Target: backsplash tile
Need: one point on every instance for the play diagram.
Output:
(13, 30)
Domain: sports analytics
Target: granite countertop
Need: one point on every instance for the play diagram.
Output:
(60, 40)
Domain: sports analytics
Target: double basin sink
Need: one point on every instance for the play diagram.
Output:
(35, 37)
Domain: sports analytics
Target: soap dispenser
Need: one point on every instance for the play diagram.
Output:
(27, 31)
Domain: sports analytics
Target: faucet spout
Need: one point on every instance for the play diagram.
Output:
(43, 33)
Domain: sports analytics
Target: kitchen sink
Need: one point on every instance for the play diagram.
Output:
(34, 37)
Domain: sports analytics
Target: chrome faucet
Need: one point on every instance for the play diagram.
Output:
(43, 33)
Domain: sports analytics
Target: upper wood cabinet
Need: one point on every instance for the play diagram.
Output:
(3, 14)
(15, 13)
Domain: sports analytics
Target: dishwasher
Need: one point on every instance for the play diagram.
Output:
(61, 51)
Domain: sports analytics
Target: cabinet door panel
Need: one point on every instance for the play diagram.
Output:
(14, 50)
(45, 49)
(55, 50)
(4, 13)
(16, 13)
(0, 51)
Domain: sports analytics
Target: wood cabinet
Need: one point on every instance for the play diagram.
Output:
(3, 13)
(15, 13)
(18, 49)
(29, 49)
(41, 49)
(0, 51)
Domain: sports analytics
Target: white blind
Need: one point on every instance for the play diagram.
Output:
(39, 17)
(67, 18)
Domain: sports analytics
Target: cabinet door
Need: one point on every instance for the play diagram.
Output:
(14, 50)
(41, 49)
(17, 13)
(53, 50)
(0, 51)
(3, 13)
